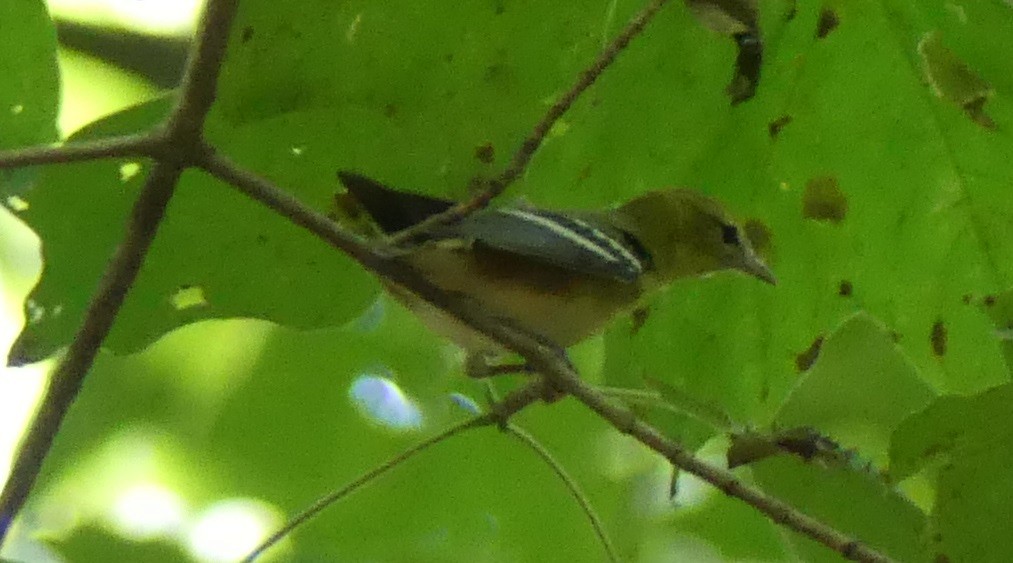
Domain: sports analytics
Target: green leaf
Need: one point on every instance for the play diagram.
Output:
(218, 254)
(859, 390)
(30, 89)
(968, 439)
(855, 503)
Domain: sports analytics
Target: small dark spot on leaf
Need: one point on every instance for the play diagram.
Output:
(989, 300)
(895, 336)
(774, 127)
(390, 110)
(495, 72)
(966, 299)
(448, 58)
(953, 80)
(845, 289)
(806, 359)
(941, 557)
(938, 339)
(759, 235)
(827, 23)
(639, 316)
(823, 200)
(500, 7)
(485, 153)
(261, 238)
(584, 173)
(789, 14)
(246, 35)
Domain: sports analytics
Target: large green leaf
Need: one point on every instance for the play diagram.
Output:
(966, 440)
(218, 254)
(927, 225)
(30, 89)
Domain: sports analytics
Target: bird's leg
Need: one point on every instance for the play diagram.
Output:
(480, 366)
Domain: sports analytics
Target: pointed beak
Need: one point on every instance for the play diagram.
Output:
(755, 266)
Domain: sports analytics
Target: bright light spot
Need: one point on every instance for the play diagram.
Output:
(169, 17)
(129, 170)
(230, 529)
(17, 204)
(33, 311)
(466, 403)
(383, 402)
(187, 297)
(16, 109)
(146, 511)
(297, 151)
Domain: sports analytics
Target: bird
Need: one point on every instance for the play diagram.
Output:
(560, 276)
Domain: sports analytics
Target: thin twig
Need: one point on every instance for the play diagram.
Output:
(141, 145)
(497, 415)
(571, 485)
(523, 156)
(182, 137)
(543, 358)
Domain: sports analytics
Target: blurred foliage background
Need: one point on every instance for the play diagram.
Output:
(252, 369)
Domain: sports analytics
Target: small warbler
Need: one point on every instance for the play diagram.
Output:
(558, 275)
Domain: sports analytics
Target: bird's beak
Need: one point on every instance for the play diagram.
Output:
(755, 266)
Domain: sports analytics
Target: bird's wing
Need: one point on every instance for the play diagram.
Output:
(563, 241)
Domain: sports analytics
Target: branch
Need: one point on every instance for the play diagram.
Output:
(534, 140)
(571, 485)
(112, 147)
(544, 358)
(182, 137)
(778, 511)
(498, 414)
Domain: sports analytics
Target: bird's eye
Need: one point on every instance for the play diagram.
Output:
(730, 235)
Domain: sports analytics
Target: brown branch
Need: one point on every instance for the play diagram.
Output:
(523, 156)
(144, 145)
(778, 511)
(182, 137)
(498, 414)
(543, 358)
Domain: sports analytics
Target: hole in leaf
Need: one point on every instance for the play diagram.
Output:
(823, 200)
(16, 204)
(128, 170)
(188, 297)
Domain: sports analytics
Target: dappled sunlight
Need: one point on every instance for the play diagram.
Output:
(155, 17)
(146, 511)
(208, 360)
(383, 402)
(230, 529)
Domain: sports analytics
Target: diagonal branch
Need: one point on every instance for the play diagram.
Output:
(523, 156)
(499, 414)
(126, 145)
(545, 359)
(182, 137)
